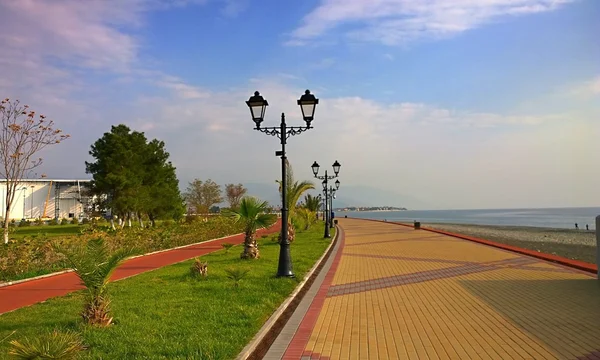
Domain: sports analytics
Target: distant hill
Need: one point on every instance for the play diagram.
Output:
(351, 195)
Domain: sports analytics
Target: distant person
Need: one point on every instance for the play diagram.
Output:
(576, 226)
(587, 227)
(332, 215)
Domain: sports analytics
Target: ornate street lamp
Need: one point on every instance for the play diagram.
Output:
(326, 192)
(258, 106)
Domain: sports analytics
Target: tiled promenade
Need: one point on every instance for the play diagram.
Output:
(396, 293)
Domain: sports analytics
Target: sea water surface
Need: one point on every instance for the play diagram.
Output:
(564, 218)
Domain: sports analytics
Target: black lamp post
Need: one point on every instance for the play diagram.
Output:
(336, 169)
(258, 105)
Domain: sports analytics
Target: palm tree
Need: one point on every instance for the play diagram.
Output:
(94, 265)
(252, 213)
(312, 203)
(294, 190)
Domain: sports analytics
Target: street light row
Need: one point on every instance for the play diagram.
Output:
(308, 103)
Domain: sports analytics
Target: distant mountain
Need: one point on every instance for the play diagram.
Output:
(351, 195)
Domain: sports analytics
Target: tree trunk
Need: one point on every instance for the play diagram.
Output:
(250, 246)
(152, 220)
(291, 233)
(129, 219)
(112, 223)
(6, 224)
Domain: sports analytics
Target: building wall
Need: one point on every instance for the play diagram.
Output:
(30, 203)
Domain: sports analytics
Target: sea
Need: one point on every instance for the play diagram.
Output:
(563, 218)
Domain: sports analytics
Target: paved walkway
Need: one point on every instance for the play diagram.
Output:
(397, 293)
(30, 292)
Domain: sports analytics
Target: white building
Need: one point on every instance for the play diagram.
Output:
(46, 199)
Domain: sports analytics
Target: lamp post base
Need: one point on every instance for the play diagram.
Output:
(285, 262)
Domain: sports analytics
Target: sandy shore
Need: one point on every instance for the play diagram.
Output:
(572, 244)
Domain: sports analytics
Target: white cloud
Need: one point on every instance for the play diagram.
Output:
(449, 157)
(394, 22)
(586, 89)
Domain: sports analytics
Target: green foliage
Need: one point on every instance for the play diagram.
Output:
(132, 175)
(312, 203)
(305, 218)
(53, 222)
(94, 264)
(24, 223)
(251, 214)
(39, 222)
(236, 274)
(294, 191)
(169, 328)
(85, 221)
(75, 221)
(227, 246)
(35, 256)
(64, 221)
(54, 345)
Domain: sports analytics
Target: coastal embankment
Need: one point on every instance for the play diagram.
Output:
(572, 244)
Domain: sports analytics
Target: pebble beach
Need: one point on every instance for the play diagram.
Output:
(572, 244)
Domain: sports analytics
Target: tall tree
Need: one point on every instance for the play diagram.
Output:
(201, 196)
(23, 135)
(134, 176)
(234, 194)
(295, 189)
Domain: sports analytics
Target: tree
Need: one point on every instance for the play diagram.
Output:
(134, 176)
(201, 196)
(294, 191)
(312, 203)
(23, 135)
(94, 265)
(252, 213)
(234, 194)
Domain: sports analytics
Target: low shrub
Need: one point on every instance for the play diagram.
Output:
(55, 345)
(53, 222)
(34, 256)
(75, 221)
(24, 223)
(64, 221)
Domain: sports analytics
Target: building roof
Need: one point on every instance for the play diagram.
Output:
(53, 180)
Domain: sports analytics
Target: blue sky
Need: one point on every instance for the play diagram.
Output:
(459, 103)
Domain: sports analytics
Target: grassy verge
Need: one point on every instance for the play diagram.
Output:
(166, 314)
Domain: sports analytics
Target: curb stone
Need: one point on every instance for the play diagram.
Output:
(262, 341)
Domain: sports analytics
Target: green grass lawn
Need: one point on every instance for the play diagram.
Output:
(50, 231)
(166, 314)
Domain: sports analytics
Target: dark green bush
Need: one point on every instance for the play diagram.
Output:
(53, 222)
(24, 223)
(75, 221)
(64, 221)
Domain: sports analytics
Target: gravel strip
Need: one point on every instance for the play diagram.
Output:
(572, 244)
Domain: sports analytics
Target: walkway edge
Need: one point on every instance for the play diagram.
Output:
(15, 282)
(576, 264)
(262, 341)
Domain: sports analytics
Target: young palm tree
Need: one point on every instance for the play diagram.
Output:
(252, 213)
(294, 191)
(94, 265)
(312, 203)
